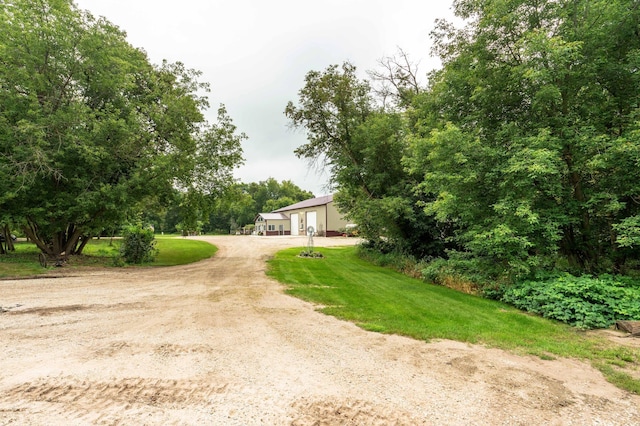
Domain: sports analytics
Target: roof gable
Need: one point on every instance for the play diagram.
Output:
(273, 216)
(312, 202)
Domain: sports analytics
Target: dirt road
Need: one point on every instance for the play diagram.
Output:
(218, 343)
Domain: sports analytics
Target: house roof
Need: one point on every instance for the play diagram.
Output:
(312, 202)
(274, 216)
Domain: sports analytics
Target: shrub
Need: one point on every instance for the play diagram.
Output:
(387, 256)
(463, 267)
(138, 245)
(313, 254)
(584, 302)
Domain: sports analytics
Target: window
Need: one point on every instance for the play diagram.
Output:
(271, 228)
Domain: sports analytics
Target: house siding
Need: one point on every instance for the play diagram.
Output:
(262, 225)
(329, 221)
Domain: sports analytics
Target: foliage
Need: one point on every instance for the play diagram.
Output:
(363, 145)
(243, 201)
(628, 231)
(89, 128)
(311, 254)
(527, 139)
(138, 245)
(584, 302)
(270, 194)
(405, 264)
(393, 303)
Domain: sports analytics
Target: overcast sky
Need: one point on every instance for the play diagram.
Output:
(255, 54)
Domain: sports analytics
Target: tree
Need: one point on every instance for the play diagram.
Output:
(281, 202)
(363, 145)
(528, 136)
(88, 127)
(397, 81)
(243, 201)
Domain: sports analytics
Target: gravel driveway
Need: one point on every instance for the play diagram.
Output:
(219, 343)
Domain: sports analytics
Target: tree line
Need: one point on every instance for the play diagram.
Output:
(521, 156)
(233, 211)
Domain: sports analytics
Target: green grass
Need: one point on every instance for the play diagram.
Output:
(181, 251)
(172, 250)
(21, 263)
(379, 299)
(101, 253)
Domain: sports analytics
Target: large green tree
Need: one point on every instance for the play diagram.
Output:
(363, 146)
(88, 127)
(529, 135)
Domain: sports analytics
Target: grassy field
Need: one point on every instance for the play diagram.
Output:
(382, 300)
(172, 250)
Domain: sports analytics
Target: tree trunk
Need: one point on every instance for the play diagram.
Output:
(62, 242)
(31, 231)
(70, 239)
(578, 244)
(83, 242)
(8, 241)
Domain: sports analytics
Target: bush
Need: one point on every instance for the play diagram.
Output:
(459, 266)
(386, 256)
(584, 302)
(313, 254)
(138, 245)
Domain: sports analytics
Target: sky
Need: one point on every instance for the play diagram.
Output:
(256, 53)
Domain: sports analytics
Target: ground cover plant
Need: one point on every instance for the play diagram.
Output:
(585, 302)
(383, 300)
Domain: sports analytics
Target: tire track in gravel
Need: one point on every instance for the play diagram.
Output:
(121, 392)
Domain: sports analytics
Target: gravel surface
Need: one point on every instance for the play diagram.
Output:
(219, 343)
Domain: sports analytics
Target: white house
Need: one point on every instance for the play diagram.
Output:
(272, 224)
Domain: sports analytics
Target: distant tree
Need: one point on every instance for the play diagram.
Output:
(281, 202)
(232, 211)
(243, 201)
(271, 189)
(88, 127)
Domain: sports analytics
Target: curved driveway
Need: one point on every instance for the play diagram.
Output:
(219, 343)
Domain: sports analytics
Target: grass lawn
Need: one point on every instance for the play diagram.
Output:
(382, 300)
(181, 251)
(172, 250)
